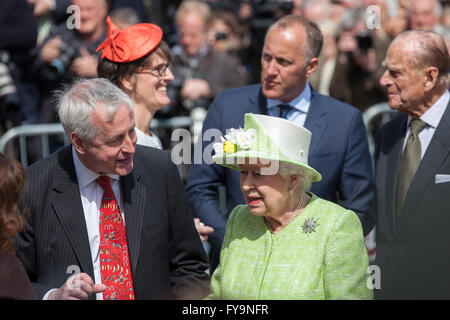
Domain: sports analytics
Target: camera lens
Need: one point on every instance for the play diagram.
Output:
(221, 35)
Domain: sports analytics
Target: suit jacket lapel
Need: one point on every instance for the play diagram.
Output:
(257, 103)
(437, 152)
(315, 121)
(66, 202)
(134, 206)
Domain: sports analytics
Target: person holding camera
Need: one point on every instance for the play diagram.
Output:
(69, 51)
(200, 71)
(18, 36)
(356, 73)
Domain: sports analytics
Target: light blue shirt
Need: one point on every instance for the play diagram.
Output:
(431, 117)
(300, 104)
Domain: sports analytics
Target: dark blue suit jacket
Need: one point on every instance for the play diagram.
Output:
(339, 151)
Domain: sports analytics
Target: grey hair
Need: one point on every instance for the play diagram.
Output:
(429, 49)
(304, 175)
(77, 101)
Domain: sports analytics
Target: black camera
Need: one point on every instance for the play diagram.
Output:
(364, 41)
(8, 90)
(221, 36)
(59, 65)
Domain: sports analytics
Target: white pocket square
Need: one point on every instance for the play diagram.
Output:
(441, 178)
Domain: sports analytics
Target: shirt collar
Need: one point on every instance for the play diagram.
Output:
(84, 175)
(433, 115)
(301, 102)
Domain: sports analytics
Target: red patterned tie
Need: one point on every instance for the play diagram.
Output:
(114, 259)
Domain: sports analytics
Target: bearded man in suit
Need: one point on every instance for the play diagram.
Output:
(114, 212)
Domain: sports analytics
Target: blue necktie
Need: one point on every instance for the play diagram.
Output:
(284, 110)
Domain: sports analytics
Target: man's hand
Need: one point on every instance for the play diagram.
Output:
(41, 7)
(51, 49)
(85, 65)
(77, 287)
(203, 231)
(194, 89)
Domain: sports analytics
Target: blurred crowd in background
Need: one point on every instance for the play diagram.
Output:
(215, 45)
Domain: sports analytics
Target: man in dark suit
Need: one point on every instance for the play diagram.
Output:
(109, 211)
(413, 171)
(339, 147)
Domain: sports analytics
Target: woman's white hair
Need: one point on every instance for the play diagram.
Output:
(305, 176)
(77, 101)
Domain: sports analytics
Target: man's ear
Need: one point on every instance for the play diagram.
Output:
(431, 78)
(78, 143)
(311, 67)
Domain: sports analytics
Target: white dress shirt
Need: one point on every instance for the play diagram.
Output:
(431, 117)
(91, 198)
(300, 104)
(146, 140)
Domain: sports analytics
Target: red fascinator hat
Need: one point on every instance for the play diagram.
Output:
(131, 43)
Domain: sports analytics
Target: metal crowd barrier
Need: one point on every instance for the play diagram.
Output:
(29, 130)
(49, 129)
(374, 117)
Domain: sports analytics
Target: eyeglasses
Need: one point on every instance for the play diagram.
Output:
(159, 71)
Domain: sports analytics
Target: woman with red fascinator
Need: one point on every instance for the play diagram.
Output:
(137, 60)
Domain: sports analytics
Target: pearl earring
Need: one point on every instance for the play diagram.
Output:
(291, 192)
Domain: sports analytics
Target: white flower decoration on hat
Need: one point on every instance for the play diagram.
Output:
(236, 139)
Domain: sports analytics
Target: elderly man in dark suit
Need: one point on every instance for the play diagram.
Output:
(113, 213)
(413, 171)
(339, 147)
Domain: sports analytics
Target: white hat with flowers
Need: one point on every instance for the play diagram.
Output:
(268, 138)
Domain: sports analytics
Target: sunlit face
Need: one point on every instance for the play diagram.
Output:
(112, 149)
(423, 16)
(150, 88)
(192, 33)
(283, 68)
(266, 195)
(92, 14)
(404, 84)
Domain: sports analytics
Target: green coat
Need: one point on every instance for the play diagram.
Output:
(330, 263)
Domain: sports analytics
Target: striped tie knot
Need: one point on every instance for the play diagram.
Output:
(416, 125)
(104, 182)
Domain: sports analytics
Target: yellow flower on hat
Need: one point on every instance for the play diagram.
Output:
(229, 147)
(237, 139)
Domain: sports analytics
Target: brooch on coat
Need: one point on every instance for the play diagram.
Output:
(310, 225)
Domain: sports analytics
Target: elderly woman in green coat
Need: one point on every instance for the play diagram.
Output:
(285, 243)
